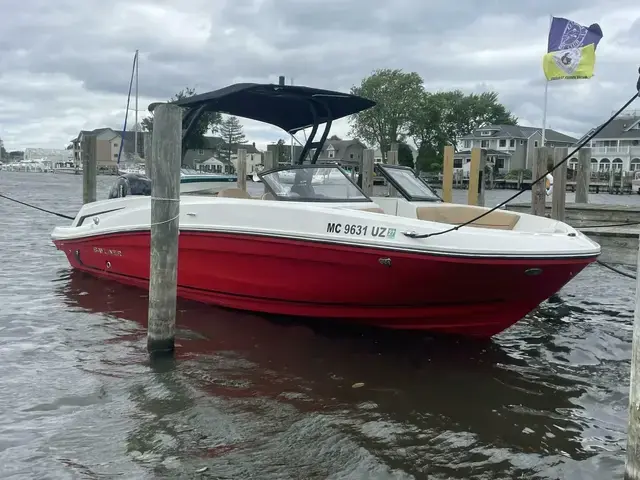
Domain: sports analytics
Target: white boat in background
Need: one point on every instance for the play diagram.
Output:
(193, 181)
(68, 168)
(635, 183)
(327, 250)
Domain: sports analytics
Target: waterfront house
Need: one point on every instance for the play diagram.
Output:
(617, 146)
(509, 147)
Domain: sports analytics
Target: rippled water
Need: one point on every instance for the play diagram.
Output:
(255, 398)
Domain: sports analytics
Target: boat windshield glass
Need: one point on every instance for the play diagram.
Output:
(412, 185)
(313, 184)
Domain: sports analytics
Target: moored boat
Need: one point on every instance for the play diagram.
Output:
(315, 245)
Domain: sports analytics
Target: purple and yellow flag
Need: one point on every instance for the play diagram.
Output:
(571, 50)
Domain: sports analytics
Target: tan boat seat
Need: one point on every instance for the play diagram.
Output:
(458, 214)
(372, 209)
(234, 193)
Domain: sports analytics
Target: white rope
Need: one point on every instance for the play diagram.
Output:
(164, 221)
(165, 200)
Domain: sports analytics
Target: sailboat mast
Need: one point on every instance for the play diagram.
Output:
(135, 148)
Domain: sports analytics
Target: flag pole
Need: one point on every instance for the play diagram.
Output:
(546, 95)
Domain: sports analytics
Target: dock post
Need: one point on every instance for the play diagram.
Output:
(367, 171)
(89, 169)
(166, 149)
(447, 174)
(476, 176)
(538, 190)
(583, 175)
(147, 153)
(392, 159)
(632, 467)
(241, 169)
(559, 195)
(270, 160)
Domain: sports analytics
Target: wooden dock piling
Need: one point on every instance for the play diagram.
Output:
(538, 190)
(392, 159)
(632, 467)
(89, 169)
(367, 171)
(559, 195)
(147, 153)
(241, 169)
(476, 177)
(447, 174)
(583, 175)
(165, 225)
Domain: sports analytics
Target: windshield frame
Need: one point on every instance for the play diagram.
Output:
(384, 170)
(333, 166)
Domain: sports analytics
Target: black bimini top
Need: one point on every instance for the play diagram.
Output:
(289, 107)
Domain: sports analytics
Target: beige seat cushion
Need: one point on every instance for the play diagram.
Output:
(372, 209)
(459, 214)
(234, 193)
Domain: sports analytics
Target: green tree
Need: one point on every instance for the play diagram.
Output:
(3, 152)
(396, 94)
(405, 155)
(209, 121)
(444, 117)
(283, 152)
(231, 132)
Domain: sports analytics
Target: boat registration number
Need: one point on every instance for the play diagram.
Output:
(107, 251)
(360, 230)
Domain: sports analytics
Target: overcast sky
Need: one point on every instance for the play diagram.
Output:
(65, 64)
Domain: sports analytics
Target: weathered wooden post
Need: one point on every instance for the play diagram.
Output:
(241, 169)
(558, 197)
(392, 159)
(166, 149)
(147, 153)
(632, 468)
(447, 174)
(476, 176)
(89, 169)
(270, 160)
(538, 190)
(583, 175)
(367, 171)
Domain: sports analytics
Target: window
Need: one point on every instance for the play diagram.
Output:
(521, 142)
(115, 144)
(484, 144)
(351, 155)
(331, 153)
(500, 162)
(457, 163)
(200, 152)
(503, 143)
(512, 143)
(535, 143)
(115, 155)
(485, 133)
(467, 144)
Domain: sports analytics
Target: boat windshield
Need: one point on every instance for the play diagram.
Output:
(410, 186)
(312, 184)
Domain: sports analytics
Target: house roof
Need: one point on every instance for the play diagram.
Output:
(617, 129)
(517, 131)
(340, 148)
(216, 143)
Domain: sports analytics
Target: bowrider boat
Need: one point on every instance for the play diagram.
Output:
(315, 245)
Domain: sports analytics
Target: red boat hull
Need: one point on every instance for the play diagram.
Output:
(391, 289)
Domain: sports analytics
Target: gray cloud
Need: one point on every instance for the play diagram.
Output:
(65, 65)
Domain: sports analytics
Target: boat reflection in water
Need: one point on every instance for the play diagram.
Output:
(267, 398)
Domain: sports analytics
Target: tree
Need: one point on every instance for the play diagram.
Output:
(396, 94)
(231, 132)
(405, 155)
(444, 117)
(3, 152)
(208, 121)
(283, 152)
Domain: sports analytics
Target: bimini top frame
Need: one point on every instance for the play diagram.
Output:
(292, 108)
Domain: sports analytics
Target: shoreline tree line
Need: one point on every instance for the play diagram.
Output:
(405, 111)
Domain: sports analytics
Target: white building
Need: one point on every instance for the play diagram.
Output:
(617, 146)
